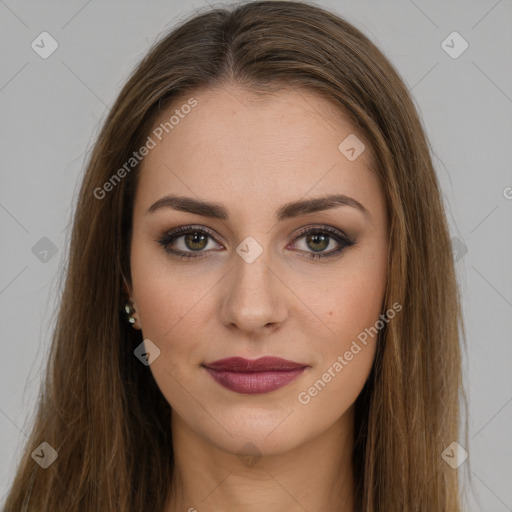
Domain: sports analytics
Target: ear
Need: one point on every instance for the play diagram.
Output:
(136, 325)
(128, 295)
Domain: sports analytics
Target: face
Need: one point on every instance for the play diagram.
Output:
(253, 277)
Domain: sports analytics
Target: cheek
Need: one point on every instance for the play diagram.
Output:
(170, 309)
(345, 358)
(353, 299)
(335, 386)
(172, 302)
(353, 338)
(359, 303)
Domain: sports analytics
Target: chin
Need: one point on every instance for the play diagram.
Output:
(270, 433)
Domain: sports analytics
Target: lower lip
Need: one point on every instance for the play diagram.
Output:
(255, 382)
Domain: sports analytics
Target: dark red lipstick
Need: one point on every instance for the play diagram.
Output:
(254, 376)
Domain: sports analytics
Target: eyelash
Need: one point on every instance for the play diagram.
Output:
(167, 238)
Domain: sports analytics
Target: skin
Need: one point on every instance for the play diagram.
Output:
(253, 155)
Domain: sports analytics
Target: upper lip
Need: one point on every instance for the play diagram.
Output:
(267, 363)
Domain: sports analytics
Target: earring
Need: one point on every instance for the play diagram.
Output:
(129, 313)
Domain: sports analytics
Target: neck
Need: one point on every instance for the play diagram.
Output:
(315, 476)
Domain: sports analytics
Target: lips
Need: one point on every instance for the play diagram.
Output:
(261, 375)
(263, 364)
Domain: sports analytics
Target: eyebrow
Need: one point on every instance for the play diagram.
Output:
(287, 211)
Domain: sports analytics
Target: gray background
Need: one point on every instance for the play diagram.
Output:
(51, 113)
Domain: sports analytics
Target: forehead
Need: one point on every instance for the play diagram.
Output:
(243, 149)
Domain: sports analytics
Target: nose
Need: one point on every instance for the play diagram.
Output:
(255, 298)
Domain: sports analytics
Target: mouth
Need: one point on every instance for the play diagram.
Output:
(256, 376)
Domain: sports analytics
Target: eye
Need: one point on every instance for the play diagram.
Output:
(196, 240)
(320, 238)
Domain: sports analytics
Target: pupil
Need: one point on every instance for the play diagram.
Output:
(323, 239)
(195, 238)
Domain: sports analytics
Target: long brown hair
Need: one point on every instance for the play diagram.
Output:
(101, 409)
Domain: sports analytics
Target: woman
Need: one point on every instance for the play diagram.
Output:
(261, 310)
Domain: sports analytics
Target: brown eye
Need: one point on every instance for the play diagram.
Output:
(195, 240)
(320, 238)
(318, 241)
